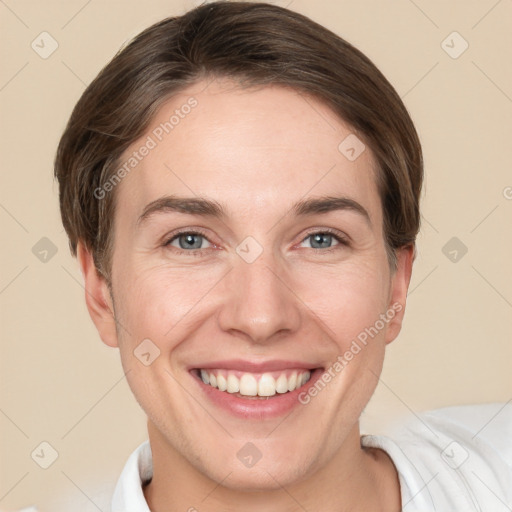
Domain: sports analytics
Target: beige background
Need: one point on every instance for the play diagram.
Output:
(61, 385)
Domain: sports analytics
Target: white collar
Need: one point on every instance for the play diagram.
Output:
(427, 481)
(138, 470)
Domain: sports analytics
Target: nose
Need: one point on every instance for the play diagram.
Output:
(260, 304)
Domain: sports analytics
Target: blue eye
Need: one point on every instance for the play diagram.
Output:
(191, 242)
(188, 241)
(322, 240)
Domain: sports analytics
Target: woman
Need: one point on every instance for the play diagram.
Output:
(241, 187)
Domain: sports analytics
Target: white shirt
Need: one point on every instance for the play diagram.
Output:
(454, 459)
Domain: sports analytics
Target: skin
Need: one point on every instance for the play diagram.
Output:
(257, 151)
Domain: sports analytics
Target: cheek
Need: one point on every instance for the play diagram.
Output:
(347, 299)
(161, 302)
(154, 300)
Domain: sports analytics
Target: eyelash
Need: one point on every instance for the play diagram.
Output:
(343, 241)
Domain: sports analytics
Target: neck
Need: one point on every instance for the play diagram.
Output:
(355, 479)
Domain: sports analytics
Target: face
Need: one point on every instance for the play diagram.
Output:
(234, 306)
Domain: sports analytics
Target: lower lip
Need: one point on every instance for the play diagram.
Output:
(257, 408)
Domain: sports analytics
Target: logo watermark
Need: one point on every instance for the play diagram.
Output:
(151, 142)
(355, 348)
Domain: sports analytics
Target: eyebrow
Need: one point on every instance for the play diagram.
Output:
(211, 208)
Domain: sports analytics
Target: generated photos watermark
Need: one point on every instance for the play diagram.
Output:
(355, 348)
(151, 142)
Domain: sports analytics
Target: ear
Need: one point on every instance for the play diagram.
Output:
(97, 297)
(398, 291)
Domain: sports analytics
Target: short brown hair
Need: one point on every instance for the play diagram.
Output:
(256, 44)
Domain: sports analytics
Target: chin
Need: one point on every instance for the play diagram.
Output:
(260, 479)
(270, 470)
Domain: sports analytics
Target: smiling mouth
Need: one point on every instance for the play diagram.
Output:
(254, 385)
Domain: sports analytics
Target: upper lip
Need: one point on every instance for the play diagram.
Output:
(255, 366)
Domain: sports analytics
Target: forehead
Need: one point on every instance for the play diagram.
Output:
(255, 150)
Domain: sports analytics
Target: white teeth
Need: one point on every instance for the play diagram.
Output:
(205, 377)
(233, 384)
(249, 385)
(266, 385)
(221, 382)
(282, 384)
(292, 381)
